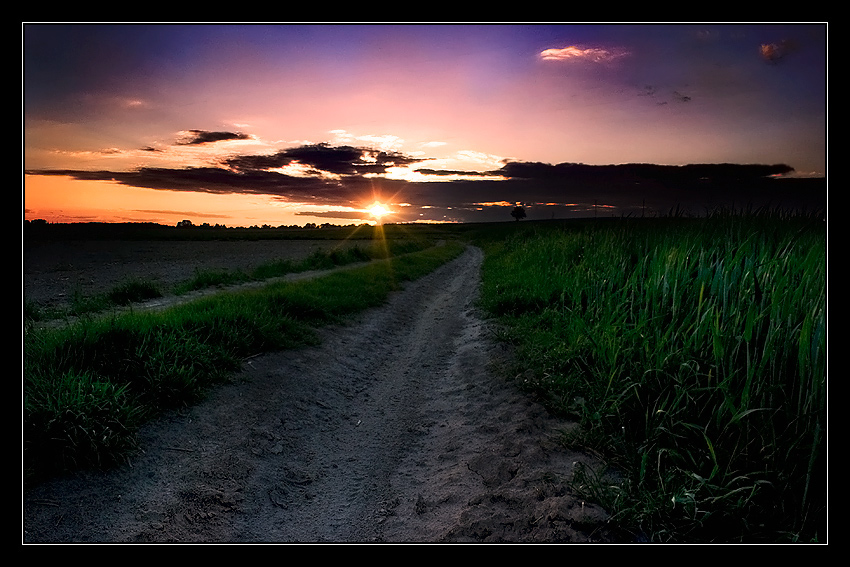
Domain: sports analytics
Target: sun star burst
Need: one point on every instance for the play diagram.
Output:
(378, 210)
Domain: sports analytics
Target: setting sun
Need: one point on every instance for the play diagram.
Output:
(378, 210)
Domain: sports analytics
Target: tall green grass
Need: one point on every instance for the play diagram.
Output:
(125, 293)
(89, 385)
(693, 353)
(318, 260)
(136, 290)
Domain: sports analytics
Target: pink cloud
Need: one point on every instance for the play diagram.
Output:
(594, 54)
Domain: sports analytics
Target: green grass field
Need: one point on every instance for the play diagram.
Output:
(693, 353)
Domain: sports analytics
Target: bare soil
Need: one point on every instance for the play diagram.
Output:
(55, 271)
(399, 427)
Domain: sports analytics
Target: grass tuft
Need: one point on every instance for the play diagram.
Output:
(133, 291)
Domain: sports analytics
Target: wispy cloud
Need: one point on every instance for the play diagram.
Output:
(578, 53)
(385, 142)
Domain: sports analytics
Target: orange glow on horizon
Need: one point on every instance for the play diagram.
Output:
(59, 199)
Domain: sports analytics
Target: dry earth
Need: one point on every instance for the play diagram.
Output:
(397, 428)
(55, 271)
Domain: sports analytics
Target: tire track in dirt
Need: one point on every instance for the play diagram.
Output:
(394, 429)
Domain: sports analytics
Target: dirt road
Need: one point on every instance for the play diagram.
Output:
(395, 429)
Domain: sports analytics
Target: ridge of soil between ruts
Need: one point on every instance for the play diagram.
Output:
(397, 428)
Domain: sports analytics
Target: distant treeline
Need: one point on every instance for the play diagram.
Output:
(40, 230)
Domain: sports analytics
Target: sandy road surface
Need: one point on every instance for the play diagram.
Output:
(395, 429)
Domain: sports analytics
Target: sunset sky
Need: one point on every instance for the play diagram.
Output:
(289, 124)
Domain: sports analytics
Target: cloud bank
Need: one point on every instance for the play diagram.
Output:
(325, 159)
(350, 177)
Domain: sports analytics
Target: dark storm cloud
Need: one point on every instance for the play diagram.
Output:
(556, 190)
(630, 189)
(536, 170)
(640, 171)
(223, 181)
(256, 173)
(206, 137)
(338, 160)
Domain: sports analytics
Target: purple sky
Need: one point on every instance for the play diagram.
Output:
(288, 124)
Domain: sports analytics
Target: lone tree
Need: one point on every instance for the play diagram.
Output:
(518, 213)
